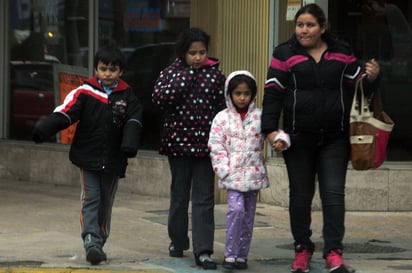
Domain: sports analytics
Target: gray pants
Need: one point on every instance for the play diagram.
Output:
(195, 173)
(97, 197)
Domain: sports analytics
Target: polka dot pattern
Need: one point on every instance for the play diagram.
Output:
(189, 99)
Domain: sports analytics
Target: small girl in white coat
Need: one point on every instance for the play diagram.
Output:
(236, 144)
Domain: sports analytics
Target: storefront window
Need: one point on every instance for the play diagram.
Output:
(47, 32)
(145, 31)
(381, 29)
(42, 33)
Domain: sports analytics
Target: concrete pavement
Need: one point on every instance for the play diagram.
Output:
(39, 232)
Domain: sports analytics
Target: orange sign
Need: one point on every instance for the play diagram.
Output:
(66, 83)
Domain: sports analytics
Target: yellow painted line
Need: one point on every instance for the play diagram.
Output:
(68, 270)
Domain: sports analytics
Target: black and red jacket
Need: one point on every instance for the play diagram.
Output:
(108, 128)
(313, 97)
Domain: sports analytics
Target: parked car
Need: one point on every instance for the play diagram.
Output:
(32, 96)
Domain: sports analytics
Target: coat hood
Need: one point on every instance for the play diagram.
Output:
(229, 102)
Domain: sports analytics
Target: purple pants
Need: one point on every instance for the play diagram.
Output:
(239, 223)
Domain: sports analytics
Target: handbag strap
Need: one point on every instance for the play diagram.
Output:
(360, 105)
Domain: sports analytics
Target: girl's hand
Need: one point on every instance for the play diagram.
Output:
(278, 145)
(372, 70)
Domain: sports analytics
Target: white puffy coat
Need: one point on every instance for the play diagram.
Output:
(236, 148)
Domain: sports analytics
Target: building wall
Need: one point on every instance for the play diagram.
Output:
(385, 189)
(239, 32)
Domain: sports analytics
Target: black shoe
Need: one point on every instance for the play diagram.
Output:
(228, 265)
(241, 265)
(95, 255)
(173, 252)
(206, 263)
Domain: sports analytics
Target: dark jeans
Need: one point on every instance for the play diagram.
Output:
(325, 156)
(192, 177)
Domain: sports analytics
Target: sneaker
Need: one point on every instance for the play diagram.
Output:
(302, 260)
(95, 255)
(334, 262)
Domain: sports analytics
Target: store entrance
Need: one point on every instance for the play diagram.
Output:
(381, 29)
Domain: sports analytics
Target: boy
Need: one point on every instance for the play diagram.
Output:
(107, 133)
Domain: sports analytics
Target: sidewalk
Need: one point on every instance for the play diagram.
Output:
(39, 232)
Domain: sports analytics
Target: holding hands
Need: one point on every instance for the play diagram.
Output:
(278, 140)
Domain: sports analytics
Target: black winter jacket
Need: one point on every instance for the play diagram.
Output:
(190, 99)
(314, 97)
(108, 128)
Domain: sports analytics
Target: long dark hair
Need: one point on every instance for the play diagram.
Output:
(187, 37)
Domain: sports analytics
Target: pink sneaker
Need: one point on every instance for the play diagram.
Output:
(334, 262)
(302, 260)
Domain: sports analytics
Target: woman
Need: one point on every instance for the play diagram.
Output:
(311, 81)
(190, 93)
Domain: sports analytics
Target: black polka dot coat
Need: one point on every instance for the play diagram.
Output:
(189, 99)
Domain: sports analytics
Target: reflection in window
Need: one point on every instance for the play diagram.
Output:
(44, 32)
(382, 29)
(146, 31)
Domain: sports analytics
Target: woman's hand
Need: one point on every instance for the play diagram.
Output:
(372, 70)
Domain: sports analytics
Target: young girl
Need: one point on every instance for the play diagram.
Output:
(190, 93)
(236, 143)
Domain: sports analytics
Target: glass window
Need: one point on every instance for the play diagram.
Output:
(382, 29)
(44, 32)
(146, 31)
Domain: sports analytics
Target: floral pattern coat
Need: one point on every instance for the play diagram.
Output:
(236, 148)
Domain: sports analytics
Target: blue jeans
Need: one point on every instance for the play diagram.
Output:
(325, 156)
